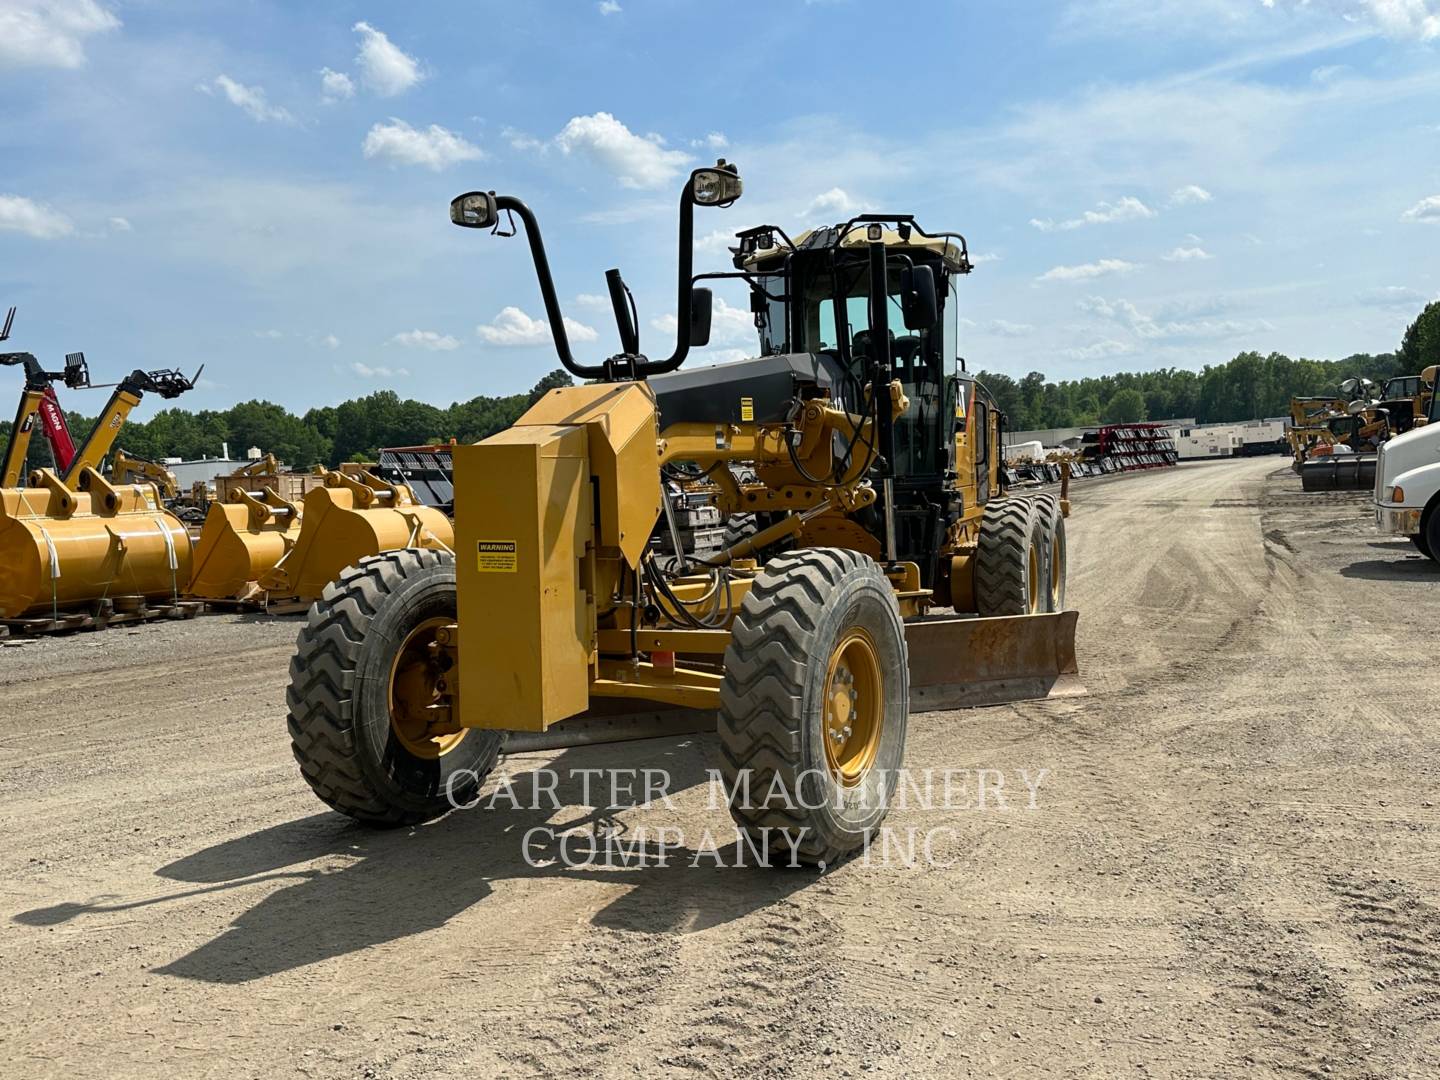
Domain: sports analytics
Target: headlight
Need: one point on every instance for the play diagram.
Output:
(715, 187)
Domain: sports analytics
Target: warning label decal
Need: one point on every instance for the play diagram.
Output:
(495, 556)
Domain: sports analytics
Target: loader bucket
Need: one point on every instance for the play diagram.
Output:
(348, 519)
(958, 662)
(240, 542)
(63, 551)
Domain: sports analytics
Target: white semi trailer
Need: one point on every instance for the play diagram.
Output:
(1407, 482)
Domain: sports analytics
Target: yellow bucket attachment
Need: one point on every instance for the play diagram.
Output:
(352, 517)
(241, 542)
(64, 551)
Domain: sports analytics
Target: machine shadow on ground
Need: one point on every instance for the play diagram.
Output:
(407, 881)
(1401, 568)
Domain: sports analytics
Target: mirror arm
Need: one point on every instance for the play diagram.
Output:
(547, 289)
(686, 287)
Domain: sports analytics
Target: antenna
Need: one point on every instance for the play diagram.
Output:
(9, 322)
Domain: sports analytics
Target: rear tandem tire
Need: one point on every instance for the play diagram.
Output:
(342, 687)
(1056, 561)
(1010, 560)
(813, 706)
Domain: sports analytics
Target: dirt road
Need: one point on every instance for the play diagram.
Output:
(1230, 867)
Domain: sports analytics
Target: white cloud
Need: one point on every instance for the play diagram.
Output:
(519, 140)
(592, 300)
(426, 339)
(269, 335)
(1426, 210)
(43, 222)
(330, 341)
(1190, 193)
(636, 161)
(716, 242)
(1126, 208)
(1187, 254)
(834, 201)
(716, 140)
(513, 327)
(1405, 18)
(1085, 271)
(728, 325)
(435, 148)
(1004, 328)
(49, 33)
(249, 98)
(120, 224)
(385, 68)
(335, 86)
(609, 7)
(1148, 328)
(365, 371)
(984, 257)
(1391, 296)
(1100, 350)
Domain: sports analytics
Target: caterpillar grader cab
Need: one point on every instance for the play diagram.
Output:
(40, 406)
(79, 546)
(888, 570)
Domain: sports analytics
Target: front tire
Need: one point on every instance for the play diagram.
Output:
(813, 705)
(363, 672)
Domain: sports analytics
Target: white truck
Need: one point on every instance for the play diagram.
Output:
(1407, 482)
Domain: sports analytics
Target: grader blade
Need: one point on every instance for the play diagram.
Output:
(959, 663)
(955, 663)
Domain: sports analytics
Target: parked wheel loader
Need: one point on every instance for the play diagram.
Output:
(889, 572)
(76, 548)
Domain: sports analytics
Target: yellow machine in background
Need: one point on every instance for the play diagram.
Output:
(890, 569)
(126, 469)
(79, 550)
(350, 518)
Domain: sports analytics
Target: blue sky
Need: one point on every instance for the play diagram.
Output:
(262, 187)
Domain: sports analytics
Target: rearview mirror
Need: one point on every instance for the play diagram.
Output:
(701, 305)
(474, 210)
(1349, 387)
(917, 297)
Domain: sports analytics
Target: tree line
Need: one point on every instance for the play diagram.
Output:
(354, 430)
(1248, 387)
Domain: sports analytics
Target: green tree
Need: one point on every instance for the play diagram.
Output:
(1125, 407)
(1420, 347)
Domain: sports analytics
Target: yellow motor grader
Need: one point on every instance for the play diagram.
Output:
(889, 570)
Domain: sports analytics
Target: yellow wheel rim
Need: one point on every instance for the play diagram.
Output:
(854, 708)
(415, 685)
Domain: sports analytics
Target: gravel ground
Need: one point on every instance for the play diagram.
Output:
(1229, 867)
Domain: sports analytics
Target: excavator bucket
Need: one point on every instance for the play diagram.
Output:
(348, 519)
(71, 558)
(240, 542)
